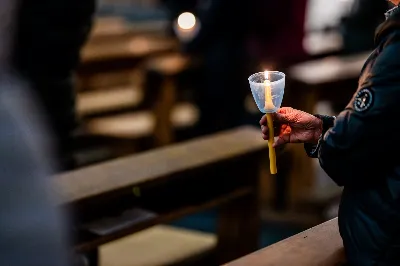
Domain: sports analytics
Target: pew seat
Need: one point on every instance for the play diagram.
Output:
(318, 246)
(160, 245)
(109, 79)
(168, 64)
(100, 101)
(140, 124)
(131, 47)
(109, 27)
(113, 27)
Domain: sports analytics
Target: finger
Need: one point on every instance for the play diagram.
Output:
(281, 140)
(285, 110)
(283, 118)
(264, 130)
(263, 120)
(276, 129)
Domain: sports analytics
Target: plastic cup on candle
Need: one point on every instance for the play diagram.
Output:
(277, 84)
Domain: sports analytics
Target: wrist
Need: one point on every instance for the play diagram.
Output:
(319, 128)
(325, 122)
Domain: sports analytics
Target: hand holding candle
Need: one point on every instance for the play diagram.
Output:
(268, 89)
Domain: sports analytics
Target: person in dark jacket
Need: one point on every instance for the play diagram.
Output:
(359, 151)
(47, 46)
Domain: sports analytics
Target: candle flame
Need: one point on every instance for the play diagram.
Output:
(266, 75)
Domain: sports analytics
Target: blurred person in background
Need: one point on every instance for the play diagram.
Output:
(220, 43)
(31, 227)
(47, 45)
(276, 33)
(360, 24)
(354, 150)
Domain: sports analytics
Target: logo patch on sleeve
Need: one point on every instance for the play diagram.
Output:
(363, 101)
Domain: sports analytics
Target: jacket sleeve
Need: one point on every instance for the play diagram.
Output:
(356, 150)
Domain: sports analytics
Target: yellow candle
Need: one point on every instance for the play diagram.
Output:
(269, 105)
(268, 98)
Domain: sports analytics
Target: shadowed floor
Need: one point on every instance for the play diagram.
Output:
(206, 222)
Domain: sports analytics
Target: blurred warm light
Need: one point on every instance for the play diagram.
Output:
(186, 21)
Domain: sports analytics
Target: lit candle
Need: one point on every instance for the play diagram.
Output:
(267, 106)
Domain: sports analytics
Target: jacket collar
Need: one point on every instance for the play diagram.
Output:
(392, 22)
(389, 13)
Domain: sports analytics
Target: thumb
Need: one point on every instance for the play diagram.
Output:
(281, 140)
(282, 118)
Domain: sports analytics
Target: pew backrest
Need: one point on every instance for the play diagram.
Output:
(157, 164)
(330, 69)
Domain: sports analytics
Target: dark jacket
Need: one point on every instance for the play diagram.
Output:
(360, 151)
(46, 52)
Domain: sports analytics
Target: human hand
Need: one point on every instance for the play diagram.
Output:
(293, 126)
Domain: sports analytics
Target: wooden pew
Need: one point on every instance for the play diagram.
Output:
(320, 245)
(318, 44)
(135, 131)
(329, 69)
(160, 245)
(107, 100)
(134, 110)
(161, 75)
(124, 196)
(130, 47)
(106, 28)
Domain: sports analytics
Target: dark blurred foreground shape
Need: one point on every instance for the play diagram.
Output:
(48, 39)
(32, 229)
